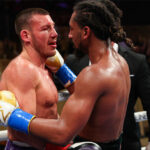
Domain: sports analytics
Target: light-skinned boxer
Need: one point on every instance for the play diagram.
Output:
(28, 78)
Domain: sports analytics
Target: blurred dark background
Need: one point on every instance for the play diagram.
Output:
(135, 20)
(136, 12)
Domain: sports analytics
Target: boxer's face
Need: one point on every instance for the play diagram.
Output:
(75, 33)
(44, 35)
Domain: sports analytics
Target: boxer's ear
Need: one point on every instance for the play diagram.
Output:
(86, 32)
(25, 35)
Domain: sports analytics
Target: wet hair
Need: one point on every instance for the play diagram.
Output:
(103, 17)
(22, 20)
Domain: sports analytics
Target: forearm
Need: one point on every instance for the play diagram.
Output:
(53, 131)
(50, 130)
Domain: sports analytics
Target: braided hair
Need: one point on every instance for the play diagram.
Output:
(104, 19)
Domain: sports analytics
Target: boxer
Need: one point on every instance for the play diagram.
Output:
(29, 75)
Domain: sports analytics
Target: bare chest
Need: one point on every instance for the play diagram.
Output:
(47, 95)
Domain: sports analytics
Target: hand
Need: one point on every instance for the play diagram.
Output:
(55, 62)
(8, 104)
(61, 70)
(11, 115)
(148, 146)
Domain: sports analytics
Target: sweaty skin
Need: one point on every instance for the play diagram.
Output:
(34, 90)
(28, 79)
(96, 109)
(95, 112)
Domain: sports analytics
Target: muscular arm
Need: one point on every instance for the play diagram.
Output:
(75, 113)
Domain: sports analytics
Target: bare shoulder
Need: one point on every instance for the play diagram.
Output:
(93, 74)
(91, 80)
(124, 64)
(122, 60)
(105, 74)
(19, 69)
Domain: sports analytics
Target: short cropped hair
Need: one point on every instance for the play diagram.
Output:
(23, 18)
(102, 16)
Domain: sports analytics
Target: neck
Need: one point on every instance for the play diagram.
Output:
(97, 50)
(33, 56)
